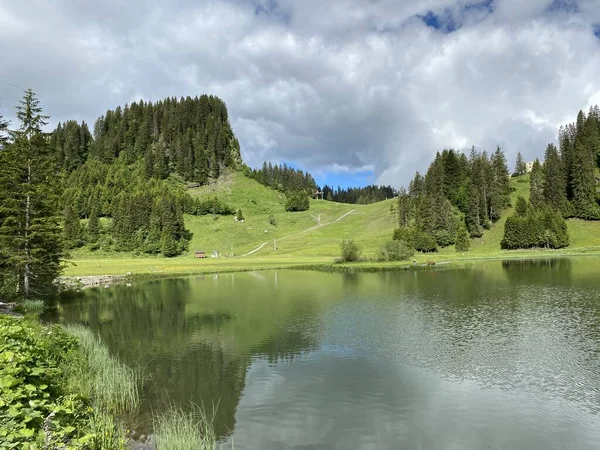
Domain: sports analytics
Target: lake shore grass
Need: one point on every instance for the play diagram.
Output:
(142, 268)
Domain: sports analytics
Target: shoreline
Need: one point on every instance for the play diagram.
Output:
(80, 282)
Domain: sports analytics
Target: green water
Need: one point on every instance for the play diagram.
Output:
(505, 355)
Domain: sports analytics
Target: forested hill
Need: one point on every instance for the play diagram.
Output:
(188, 136)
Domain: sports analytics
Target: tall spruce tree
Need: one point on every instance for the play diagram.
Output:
(404, 208)
(536, 188)
(3, 131)
(555, 193)
(583, 164)
(520, 167)
(30, 233)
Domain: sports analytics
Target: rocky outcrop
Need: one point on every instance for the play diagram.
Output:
(89, 281)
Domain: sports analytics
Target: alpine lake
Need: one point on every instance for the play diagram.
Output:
(501, 355)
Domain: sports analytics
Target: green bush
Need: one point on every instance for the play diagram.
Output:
(542, 228)
(417, 239)
(297, 201)
(462, 242)
(395, 251)
(350, 251)
(272, 220)
(423, 242)
(33, 388)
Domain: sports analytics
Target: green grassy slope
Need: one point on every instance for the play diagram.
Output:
(298, 238)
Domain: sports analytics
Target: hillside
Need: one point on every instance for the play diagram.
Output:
(298, 238)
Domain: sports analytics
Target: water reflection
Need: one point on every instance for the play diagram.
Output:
(503, 355)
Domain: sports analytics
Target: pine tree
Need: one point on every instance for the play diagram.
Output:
(521, 206)
(536, 188)
(93, 226)
(239, 216)
(405, 208)
(462, 243)
(71, 228)
(520, 167)
(30, 233)
(583, 163)
(3, 131)
(555, 193)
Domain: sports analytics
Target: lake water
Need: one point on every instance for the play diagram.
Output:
(504, 355)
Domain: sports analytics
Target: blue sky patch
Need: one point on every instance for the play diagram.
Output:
(567, 6)
(442, 22)
(597, 30)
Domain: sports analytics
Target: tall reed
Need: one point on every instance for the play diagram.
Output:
(114, 387)
(177, 429)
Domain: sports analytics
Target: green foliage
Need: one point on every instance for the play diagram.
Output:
(189, 136)
(542, 228)
(197, 207)
(521, 207)
(358, 195)
(72, 232)
(536, 189)
(520, 167)
(423, 242)
(179, 430)
(350, 251)
(282, 178)
(239, 216)
(462, 242)
(395, 251)
(405, 208)
(35, 407)
(415, 238)
(113, 386)
(579, 150)
(297, 201)
(142, 210)
(31, 244)
(272, 220)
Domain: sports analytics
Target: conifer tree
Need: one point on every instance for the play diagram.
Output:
(583, 163)
(71, 228)
(93, 226)
(404, 208)
(239, 216)
(30, 233)
(521, 206)
(462, 243)
(536, 188)
(555, 193)
(3, 131)
(520, 167)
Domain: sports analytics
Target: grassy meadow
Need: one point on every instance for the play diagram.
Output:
(272, 238)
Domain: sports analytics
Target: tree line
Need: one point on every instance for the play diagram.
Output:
(566, 185)
(189, 136)
(126, 182)
(359, 195)
(458, 197)
(296, 184)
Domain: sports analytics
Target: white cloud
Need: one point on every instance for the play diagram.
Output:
(337, 86)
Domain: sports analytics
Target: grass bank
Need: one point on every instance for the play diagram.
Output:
(61, 388)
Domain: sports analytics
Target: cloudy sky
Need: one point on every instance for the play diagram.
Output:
(355, 91)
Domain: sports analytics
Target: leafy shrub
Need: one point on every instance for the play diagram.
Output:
(537, 228)
(272, 220)
(443, 238)
(462, 243)
(423, 242)
(395, 251)
(350, 251)
(414, 238)
(33, 394)
(297, 201)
